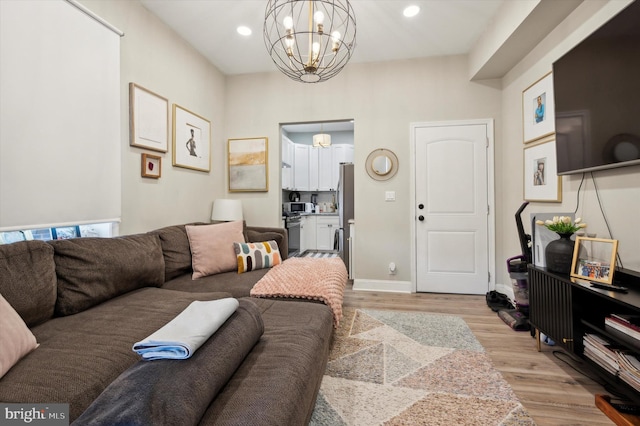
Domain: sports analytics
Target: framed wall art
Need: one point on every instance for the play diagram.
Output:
(538, 110)
(148, 119)
(248, 165)
(594, 259)
(541, 181)
(151, 166)
(191, 140)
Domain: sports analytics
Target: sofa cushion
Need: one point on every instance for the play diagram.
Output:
(93, 270)
(16, 340)
(253, 256)
(212, 249)
(238, 285)
(175, 249)
(255, 234)
(178, 393)
(28, 279)
(79, 355)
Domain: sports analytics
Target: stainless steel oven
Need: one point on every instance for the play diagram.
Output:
(292, 223)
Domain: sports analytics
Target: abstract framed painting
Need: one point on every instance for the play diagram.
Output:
(247, 163)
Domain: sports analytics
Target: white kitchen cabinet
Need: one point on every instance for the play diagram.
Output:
(307, 233)
(301, 167)
(325, 169)
(340, 154)
(287, 163)
(313, 168)
(326, 227)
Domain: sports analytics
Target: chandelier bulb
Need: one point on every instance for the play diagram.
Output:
(288, 23)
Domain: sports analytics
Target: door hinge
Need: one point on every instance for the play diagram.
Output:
(487, 142)
(488, 209)
(489, 277)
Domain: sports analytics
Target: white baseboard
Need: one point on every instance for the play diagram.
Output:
(507, 290)
(382, 285)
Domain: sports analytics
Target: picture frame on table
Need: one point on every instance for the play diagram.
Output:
(248, 165)
(594, 259)
(538, 109)
(65, 232)
(191, 140)
(151, 166)
(541, 181)
(148, 119)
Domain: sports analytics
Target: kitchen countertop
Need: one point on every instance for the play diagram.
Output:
(320, 214)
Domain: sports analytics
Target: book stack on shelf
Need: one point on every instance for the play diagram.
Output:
(602, 352)
(628, 325)
(627, 329)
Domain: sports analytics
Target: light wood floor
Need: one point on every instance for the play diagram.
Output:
(551, 391)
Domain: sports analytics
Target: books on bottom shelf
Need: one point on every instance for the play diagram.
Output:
(629, 369)
(601, 352)
(617, 361)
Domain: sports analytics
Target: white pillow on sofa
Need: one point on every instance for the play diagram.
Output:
(212, 248)
(16, 340)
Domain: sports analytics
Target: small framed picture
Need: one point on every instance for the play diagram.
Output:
(538, 110)
(248, 165)
(191, 140)
(148, 119)
(541, 181)
(594, 259)
(65, 232)
(151, 166)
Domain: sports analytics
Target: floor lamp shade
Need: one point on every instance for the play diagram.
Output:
(225, 210)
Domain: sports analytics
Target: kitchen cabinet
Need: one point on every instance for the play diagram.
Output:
(340, 154)
(313, 168)
(325, 169)
(301, 167)
(307, 233)
(326, 227)
(287, 163)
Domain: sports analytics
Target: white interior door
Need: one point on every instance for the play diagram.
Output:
(452, 209)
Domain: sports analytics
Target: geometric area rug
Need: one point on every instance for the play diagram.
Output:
(412, 368)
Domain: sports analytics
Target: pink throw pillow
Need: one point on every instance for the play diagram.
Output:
(16, 340)
(212, 248)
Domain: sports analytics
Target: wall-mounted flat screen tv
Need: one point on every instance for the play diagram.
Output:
(597, 97)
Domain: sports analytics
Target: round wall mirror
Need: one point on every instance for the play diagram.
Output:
(382, 164)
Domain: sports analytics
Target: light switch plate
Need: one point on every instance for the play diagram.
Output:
(390, 196)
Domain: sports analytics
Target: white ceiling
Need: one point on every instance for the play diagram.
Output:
(443, 27)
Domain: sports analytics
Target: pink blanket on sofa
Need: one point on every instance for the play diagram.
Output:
(321, 279)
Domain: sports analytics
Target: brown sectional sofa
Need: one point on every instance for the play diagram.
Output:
(88, 300)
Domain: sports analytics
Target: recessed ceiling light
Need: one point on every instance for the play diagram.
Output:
(245, 31)
(411, 11)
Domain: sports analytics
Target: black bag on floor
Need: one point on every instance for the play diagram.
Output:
(497, 301)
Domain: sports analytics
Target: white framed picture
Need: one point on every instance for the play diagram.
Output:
(191, 140)
(538, 110)
(148, 119)
(541, 180)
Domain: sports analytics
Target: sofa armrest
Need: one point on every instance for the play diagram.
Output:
(256, 234)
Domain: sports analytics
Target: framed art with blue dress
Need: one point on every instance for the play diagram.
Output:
(538, 112)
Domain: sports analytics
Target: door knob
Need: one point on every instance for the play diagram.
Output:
(420, 218)
(421, 206)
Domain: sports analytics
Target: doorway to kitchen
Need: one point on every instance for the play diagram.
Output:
(313, 158)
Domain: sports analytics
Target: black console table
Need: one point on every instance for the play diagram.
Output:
(565, 310)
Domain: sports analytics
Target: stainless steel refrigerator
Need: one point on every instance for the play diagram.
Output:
(345, 211)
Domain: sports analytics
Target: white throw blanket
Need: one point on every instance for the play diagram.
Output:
(184, 334)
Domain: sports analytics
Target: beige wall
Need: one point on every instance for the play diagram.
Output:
(154, 57)
(383, 99)
(619, 188)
